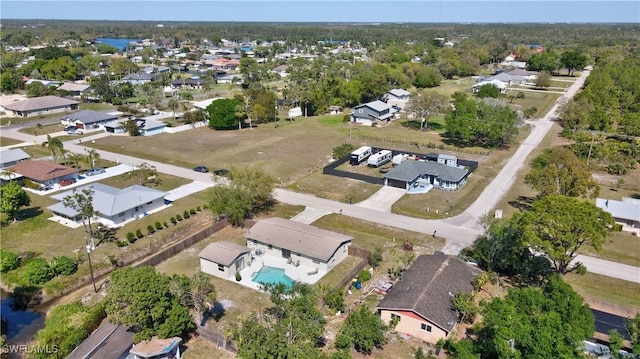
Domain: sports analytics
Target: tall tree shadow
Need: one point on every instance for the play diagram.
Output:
(523, 203)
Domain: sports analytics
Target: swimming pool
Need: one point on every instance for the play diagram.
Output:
(271, 275)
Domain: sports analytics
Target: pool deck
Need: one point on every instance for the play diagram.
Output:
(299, 273)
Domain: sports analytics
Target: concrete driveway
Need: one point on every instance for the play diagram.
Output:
(383, 199)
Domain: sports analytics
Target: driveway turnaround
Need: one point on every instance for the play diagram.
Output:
(383, 199)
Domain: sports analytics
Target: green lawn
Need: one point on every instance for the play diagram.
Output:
(6, 141)
(606, 289)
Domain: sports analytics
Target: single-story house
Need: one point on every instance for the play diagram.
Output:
(194, 82)
(43, 105)
(202, 105)
(375, 111)
(9, 99)
(497, 83)
(421, 301)
(397, 97)
(229, 78)
(138, 78)
(281, 70)
(113, 205)
(146, 126)
(414, 173)
(87, 119)
(46, 83)
(224, 259)
(528, 75)
(46, 174)
(626, 211)
(157, 348)
(304, 244)
(508, 79)
(10, 157)
(107, 341)
(76, 90)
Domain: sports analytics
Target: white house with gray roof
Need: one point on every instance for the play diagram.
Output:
(224, 259)
(114, 206)
(373, 112)
(87, 119)
(397, 97)
(43, 105)
(425, 174)
(300, 243)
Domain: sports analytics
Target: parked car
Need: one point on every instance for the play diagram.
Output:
(70, 128)
(95, 171)
(74, 132)
(221, 172)
(201, 169)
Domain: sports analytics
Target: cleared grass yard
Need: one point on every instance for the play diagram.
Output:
(6, 141)
(607, 289)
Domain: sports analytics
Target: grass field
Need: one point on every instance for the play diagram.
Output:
(606, 289)
(6, 141)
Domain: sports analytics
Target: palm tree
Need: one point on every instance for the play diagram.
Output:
(75, 159)
(173, 104)
(54, 145)
(8, 173)
(92, 156)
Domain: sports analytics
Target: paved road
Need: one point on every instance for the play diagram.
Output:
(459, 231)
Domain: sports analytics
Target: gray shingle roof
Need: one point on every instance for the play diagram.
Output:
(411, 169)
(297, 237)
(428, 286)
(223, 252)
(109, 201)
(70, 86)
(399, 92)
(88, 117)
(40, 103)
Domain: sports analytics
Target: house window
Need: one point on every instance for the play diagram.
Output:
(148, 202)
(425, 327)
(220, 267)
(270, 246)
(395, 318)
(360, 110)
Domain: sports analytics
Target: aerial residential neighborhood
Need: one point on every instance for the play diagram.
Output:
(323, 190)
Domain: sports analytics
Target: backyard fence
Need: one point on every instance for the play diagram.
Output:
(421, 145)
(216, 338)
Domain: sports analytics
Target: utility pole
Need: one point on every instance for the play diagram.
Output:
(593, 136)
(275, 113)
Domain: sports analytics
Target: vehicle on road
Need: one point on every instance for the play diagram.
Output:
(201, 169)
(70, 128)
(221, 172)
(74, 132)
(95, 171)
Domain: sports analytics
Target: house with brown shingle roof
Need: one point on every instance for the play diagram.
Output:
(421, 301)
(224, 259)
(43, 105)
(303, 244)
(46, 174)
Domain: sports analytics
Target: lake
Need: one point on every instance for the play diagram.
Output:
(120, 44)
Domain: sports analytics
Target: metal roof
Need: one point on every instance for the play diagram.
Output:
(109, 201)
(12, 155)
(627, 210)
(88, 117)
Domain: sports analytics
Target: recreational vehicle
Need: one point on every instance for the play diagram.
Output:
(399, 158)
(380, 158)
(360, 155)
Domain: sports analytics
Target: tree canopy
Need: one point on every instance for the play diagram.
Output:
(558, 171)
(363, 329)
(481, 123)
(558, 226)
(547, 322)
(12, 198)
(249, 190)
(223, 114)
(141, 298)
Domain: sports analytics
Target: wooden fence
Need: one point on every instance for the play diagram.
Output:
(216, 338)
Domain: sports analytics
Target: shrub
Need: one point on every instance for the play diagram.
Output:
(198, 209)
(38, 271)
(178, 217)
(185, 214)
(204, 206)
(616, 169)
(364, 275)
(64, 265)
(150, 229)
(375, 257)
(159, 226)
(8, 261)
(139, 233)
(238, 276)
(165, 224)
(192, 211)
(173, 220)
(131, 238)
(342, 151)
(125, 243)
(334, 298)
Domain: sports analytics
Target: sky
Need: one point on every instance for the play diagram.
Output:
(349, 11)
